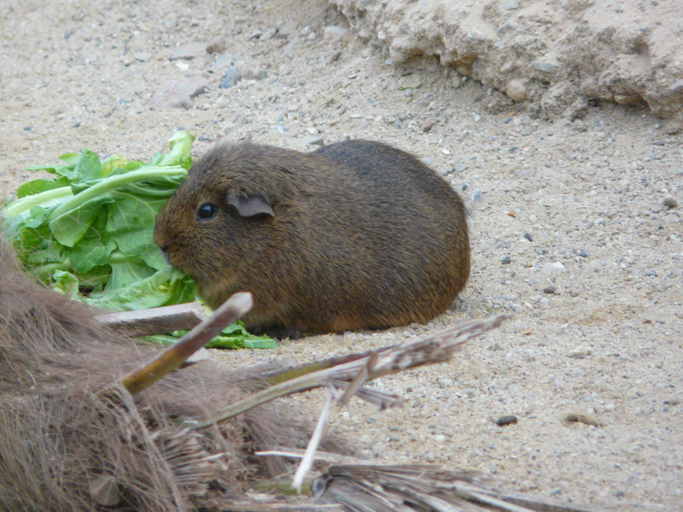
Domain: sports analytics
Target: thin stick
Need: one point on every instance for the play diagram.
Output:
(307, 461)
(432, 349)
(172, 358)
(144, 322)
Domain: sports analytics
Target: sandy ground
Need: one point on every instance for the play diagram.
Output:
(576, 226)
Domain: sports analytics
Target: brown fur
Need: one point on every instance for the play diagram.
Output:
(59, 433)
(362, 235)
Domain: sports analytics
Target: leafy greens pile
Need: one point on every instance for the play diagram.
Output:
(88, 232)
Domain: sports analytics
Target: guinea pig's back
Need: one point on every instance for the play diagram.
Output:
(415, 223)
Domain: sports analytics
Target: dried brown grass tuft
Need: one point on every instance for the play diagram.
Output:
(72, 439)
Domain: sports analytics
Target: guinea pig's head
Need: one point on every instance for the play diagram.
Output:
(222, 214)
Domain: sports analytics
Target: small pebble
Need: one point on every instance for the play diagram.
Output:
(551, 290)
(428, 125)
(230, 77)
(506, 260)
(516, 89)
(528, 237)
(585, 419)
(315, 141)
(335, 32)
(215, 47)
(142, 56)
(187, 52)
(580, 353)
(583, 253)
(506, 420)
(476, 195)
(554, 267)
(670, 203)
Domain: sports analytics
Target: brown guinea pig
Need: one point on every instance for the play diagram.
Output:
(355, 235)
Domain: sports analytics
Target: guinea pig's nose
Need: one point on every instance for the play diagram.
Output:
(164, 251)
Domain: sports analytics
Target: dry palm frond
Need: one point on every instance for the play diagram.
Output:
(72, 439)
(382, 488)
(360, 368)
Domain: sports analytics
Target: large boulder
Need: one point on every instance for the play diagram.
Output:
(554, 54)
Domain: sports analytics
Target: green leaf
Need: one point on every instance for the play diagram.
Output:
(181, 150)
(37, 217)
(116, 164)
(131, 222)
(153, 257)
(156, 290)
(92, 251)
(40, 185)
(127, 272)
(224, 341)
(88, 166)
(66, 283)
(70, 158)
(70, 225)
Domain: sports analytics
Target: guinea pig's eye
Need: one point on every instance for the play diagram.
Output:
(206, 211)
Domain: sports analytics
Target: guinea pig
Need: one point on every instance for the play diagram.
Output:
(354, 235)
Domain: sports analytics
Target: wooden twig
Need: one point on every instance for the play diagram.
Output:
(145, 322)
(282, 507)
(309, 456)
(382, 487)
(432, 349)
(173, 357)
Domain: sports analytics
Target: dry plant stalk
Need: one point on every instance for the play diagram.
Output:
(436, 348)
(385, 488)
(173, 357)
(144, 322)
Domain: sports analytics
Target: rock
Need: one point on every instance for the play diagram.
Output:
(428, 125)
(546, 64)
(550, 290)
(179, 93)
(554, 267)
(506, 260)
(230, 77)
(674, 126)
(253, 73)
(188, 51)
(516, 89)
(335, 33)
(314, 141)
(216, 47)
(504, 421)
(670, 203)
(627, 55)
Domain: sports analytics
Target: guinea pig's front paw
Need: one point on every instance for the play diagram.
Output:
(278, 332)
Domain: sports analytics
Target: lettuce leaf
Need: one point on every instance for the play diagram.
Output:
(88, 232)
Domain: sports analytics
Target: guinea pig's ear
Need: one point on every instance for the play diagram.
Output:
(249, 205)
